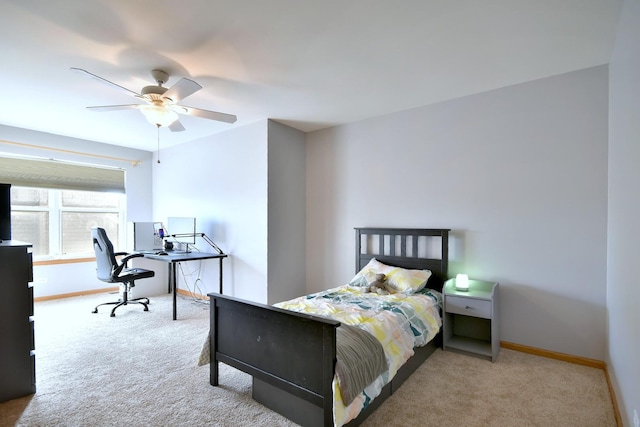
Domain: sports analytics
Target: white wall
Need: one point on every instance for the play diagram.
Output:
(246, 188)
(623, 292)
(69, 278)
(221, 180)
(286, 200)
(61, 279)
(520, 176)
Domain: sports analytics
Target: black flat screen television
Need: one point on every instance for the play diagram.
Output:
(5, 211)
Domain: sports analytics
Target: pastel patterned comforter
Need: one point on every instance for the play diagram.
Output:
(400, 322)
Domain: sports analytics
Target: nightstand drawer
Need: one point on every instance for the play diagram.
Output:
(468, 307)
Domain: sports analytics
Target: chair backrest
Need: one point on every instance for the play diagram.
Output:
(104, 254)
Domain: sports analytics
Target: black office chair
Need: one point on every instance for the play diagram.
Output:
(110, 271)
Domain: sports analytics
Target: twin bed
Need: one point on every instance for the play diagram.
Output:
(300, 357)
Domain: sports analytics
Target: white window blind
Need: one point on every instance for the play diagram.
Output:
(56, 174)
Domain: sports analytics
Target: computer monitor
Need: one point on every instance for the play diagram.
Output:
(147, 236)
(183, 228)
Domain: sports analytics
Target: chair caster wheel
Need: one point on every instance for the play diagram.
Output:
(113, 315)
(95, 310)
(146, 309)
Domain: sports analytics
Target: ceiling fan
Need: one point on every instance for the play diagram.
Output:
(161, 104)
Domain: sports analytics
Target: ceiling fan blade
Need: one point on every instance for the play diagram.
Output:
(115, 107)
(176, 126)
(205, 114)
(105, 81)
(181, 90)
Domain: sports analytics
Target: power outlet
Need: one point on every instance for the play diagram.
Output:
(636, 420)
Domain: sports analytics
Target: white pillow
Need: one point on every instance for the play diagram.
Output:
(368, 273)
(399, 279)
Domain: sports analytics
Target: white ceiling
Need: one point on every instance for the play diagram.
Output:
(309, 64)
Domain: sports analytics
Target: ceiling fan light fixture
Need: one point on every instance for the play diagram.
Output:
(162, 104)
(158, 115)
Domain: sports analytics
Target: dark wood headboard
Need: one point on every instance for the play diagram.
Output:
(414, 248)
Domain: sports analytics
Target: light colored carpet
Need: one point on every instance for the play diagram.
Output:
(140, 369)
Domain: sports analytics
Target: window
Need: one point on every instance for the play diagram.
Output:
(58, 222)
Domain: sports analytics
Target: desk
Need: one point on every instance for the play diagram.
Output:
(173, 258)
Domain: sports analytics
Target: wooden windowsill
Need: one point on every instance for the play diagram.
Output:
(63, 261)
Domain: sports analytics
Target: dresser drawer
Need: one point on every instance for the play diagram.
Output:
(468, 307)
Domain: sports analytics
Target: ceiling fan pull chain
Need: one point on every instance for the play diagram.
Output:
(158, 142)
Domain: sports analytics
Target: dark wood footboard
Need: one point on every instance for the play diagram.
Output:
(291, 357)
(287, 352)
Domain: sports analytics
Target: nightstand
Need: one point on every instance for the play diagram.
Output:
(470, 321)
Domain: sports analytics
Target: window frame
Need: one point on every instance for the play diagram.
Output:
(55, 211)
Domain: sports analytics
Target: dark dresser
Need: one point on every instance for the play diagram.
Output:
(17, 349)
